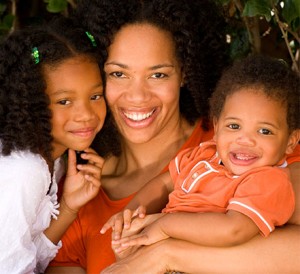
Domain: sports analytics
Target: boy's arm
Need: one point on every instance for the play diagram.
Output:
(153, 196)
(209, 229)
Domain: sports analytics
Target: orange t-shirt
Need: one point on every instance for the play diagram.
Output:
(203, 184)
(83, 245)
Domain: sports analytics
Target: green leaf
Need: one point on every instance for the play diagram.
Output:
(239, 46)
(8, 20)
(258, 8)
(223, 2)
(55, 6)
(2, 8)
(291, 10)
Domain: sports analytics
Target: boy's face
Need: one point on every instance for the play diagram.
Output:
(252, 131)
(78, 108)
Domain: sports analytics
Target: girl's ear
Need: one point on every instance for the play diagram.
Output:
(293, 141)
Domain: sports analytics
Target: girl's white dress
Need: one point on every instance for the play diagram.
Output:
(28, 201)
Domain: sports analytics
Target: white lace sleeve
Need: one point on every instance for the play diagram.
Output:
(46, 251)
(24, 183)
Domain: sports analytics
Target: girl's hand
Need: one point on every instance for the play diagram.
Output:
(82, 181)
(122, 220)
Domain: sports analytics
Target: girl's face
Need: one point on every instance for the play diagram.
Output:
(143, 82)
(78, 108)
(252, 131)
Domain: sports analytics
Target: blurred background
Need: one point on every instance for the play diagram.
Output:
(270, 27)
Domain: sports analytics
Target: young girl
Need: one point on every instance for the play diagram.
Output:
(51, 100)
(239, 179)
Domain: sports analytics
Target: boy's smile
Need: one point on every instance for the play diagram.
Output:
(251, 131)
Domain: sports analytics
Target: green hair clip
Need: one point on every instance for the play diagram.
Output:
(35, 54)
(91, 37)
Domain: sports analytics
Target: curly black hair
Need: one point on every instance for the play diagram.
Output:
(198, 30)
(25, 117)
(265, 74)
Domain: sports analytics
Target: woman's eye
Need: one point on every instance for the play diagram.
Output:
(97, 97)
(117, 74)
(158, 75)
(234, 126)
(64, 102)
(265, 131)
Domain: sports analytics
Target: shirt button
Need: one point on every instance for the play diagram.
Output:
(195, 175)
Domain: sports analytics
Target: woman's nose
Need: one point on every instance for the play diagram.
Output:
(138, 91)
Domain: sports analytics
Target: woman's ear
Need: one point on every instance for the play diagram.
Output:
(294, 140)
(215, 124)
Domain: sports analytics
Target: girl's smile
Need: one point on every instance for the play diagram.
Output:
(78, 108)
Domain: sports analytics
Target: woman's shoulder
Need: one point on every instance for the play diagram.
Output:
(198, 135)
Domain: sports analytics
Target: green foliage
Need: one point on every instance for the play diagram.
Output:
(275, 22)
(265, 26)
(6, 19)
(56, 6)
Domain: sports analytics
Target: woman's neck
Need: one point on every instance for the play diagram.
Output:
(153, 155)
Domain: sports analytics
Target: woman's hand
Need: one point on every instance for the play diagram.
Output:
(149, 259)
(82, 181)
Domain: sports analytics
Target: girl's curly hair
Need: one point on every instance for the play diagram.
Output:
(25, 117)
(198, 30)
(265, 74)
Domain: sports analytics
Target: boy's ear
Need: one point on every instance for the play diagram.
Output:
(293, 141)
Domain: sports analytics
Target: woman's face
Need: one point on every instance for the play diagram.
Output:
(143, 82)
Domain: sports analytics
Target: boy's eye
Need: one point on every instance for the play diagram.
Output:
(158, 75)
(234, 126)
(265, 131)
(64, 102)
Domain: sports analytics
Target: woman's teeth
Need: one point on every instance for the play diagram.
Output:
(138, 116)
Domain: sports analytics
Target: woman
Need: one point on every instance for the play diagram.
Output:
(164, 58)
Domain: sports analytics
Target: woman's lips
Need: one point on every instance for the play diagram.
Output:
(138, 116)
(139, 119)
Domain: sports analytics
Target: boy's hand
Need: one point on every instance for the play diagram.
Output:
(82, 181)
(122, 220)
(151, 233)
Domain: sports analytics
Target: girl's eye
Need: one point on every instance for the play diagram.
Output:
(234, 126)
(158, 75)
(97, 97)
(64, 102)
(265, 131)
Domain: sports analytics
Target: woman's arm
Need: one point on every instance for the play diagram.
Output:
(279, 253)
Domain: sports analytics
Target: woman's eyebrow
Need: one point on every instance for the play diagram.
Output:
(117, 64)
(158, 66)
